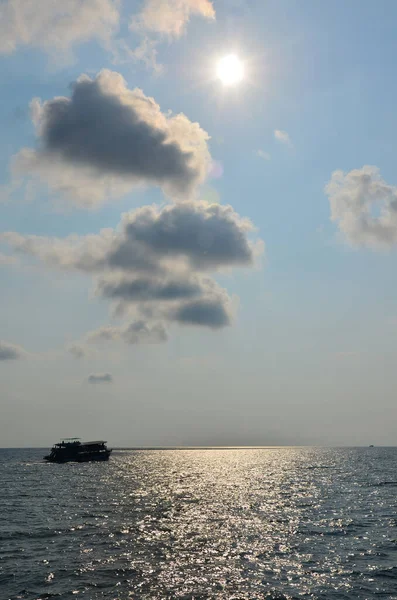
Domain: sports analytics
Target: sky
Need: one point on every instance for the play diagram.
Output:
(193, 256)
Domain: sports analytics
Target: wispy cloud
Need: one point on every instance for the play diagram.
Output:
(60, 26)
(283, 137)
(6, 260)
(138, 332)
(170, 17)
(56, 26)
(263, 154)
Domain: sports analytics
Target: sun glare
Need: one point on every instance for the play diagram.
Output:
(230, 70)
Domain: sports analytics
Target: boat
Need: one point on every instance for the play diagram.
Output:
(73, 450)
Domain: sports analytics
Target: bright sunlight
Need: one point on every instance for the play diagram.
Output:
(230, 70)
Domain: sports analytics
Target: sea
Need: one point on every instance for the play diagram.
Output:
(246, 523)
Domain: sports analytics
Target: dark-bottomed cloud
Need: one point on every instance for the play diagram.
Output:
(105, 139)
(209, 235)
(100, 378)
(210, 312)
(10, 351)
(77, 350)
(154, 267)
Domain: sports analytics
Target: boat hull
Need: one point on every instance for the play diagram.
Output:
(86, 457)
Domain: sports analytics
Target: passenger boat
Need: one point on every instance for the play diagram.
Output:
(73, 450)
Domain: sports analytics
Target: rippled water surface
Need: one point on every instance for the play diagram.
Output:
(242, 524)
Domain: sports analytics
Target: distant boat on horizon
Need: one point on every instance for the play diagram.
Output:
(73, 450)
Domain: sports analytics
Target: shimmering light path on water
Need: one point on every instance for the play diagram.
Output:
(168, 524)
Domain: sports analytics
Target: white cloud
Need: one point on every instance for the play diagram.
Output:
(170, 17)
(263, 154)
(283, 137)
(56, 25)
(364, 207)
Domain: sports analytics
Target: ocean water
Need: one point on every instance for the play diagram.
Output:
(284, 523)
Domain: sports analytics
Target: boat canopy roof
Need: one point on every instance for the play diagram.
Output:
(94, 443)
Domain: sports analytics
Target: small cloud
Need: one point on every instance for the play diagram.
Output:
(10, 351)
(138, 332)
(100, 378)
(263, 154)
(283, 137)
(77, 351)
(364, 207)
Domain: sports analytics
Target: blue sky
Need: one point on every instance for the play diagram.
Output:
(308, 356)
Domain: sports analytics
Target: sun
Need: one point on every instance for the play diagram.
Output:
(230, 70)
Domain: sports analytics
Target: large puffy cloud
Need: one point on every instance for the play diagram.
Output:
(150, 240)
(170, 17)
(10, 351)
(56, 25)
(155, 265)
(208, 235)
(364, 206)
(105, 139)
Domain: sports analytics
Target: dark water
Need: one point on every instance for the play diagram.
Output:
(242, 524)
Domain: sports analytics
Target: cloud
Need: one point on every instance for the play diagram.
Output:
(201, 235)
(77, 350)
(364, 207)
(10, 351)
(264, 155)
(210, 312)
(56, 26)
(146, 52)
(155, 266)
(138, 332)
(190, 300)
(283, 137)
(209, 236)
(100, 378)
(6, 260)
(107, 139)
(146, 290)
(170, 17)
